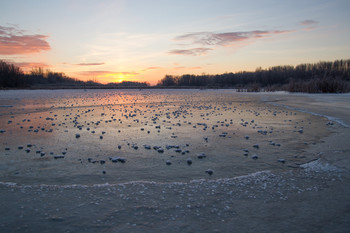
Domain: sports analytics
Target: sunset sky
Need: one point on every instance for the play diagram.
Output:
(143, 40)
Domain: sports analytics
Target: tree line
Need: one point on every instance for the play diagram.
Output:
(321, 77)
(12, 76)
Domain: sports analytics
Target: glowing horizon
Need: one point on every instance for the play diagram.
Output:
(115, 41)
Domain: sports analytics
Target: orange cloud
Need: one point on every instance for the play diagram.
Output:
(187, 68)
(152, 68)
(13, 41)
(105, 73)
(29, 65)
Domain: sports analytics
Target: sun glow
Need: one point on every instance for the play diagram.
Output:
(120, 78)
(114, 77)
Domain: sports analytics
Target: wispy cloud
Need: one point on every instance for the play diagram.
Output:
(309, 22)
(13, 41)
(91, 64)
(187, 68)
(225, 39)
(105, 73)
(193, 52)
(212, 40)
(152, 68)
(29, 65)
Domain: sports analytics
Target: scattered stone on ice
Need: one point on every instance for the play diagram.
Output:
(189, 161)
(282, 160)
(209, 172)
(118, 159)
(201, 155)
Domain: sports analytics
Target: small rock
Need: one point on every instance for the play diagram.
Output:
(168, 162)
(118, 159)
(255, 157)
(77, 135)
(58, 156)
(160, 150)
(189, 161)
(201, 155)
(282, 160)
(209, 172)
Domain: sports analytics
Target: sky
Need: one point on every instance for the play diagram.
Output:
(143, 40)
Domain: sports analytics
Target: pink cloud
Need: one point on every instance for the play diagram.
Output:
(308, 22)
(224, 39)
(26, 66)
(30, 65)
(91, 64)
(105, 73)
(192, 52)
(213, 40)
(13, 41)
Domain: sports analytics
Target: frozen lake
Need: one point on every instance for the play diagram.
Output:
(154, 160)
(70, 137)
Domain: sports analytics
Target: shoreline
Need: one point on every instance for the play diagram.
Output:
(335, 149)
